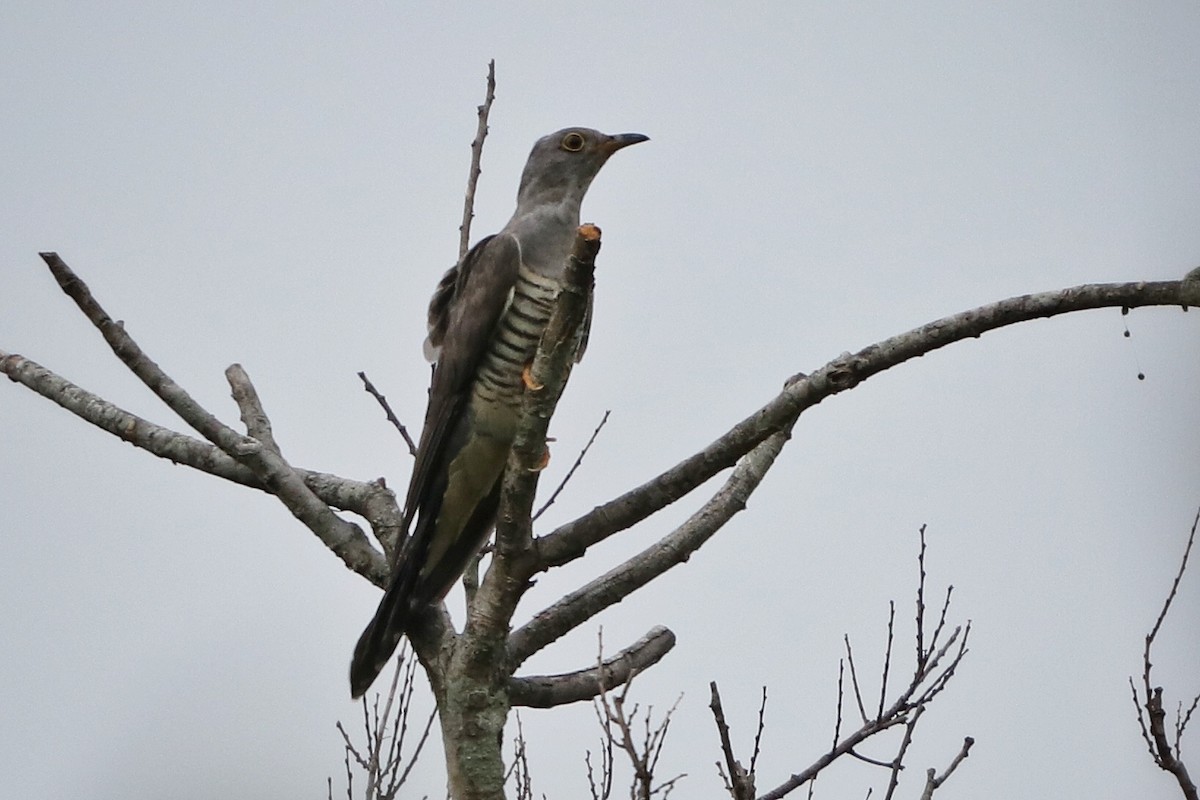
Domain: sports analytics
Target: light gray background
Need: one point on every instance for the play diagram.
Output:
(281, 187)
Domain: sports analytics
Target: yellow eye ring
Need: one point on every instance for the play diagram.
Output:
(573, 142)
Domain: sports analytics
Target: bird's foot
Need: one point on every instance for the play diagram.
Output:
(543, 461)
(528, 380)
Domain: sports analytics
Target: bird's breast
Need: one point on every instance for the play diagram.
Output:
(499, 385)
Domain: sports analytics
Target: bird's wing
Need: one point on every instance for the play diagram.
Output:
(464, 318)
(438, 316)
(465, 312)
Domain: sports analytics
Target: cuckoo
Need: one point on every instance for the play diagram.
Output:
(485, 320)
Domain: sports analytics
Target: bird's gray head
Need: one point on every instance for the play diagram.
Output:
(563, 164)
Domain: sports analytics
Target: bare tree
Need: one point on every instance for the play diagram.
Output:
(475, 671)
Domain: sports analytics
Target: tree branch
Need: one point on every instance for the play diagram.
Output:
(933, 781)
(927, 682)
(674, 548)
(387, 410)
(571, 540)
(739, 781)
(571, 472)
(464, 230)
(254, 416)
(370, 500)
(141, 365)
(273, 474)
(548, 691)
(1166, 755)
(345, 539)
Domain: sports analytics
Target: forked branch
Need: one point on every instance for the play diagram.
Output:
(1166, 750)
(935, 664)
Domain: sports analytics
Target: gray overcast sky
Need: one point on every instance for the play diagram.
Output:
(281, 186)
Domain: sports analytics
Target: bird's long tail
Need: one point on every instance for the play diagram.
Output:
(381, 636)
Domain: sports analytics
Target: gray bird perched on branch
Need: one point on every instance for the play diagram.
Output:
(485, 320)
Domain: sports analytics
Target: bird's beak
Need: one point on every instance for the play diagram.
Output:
(615, 143)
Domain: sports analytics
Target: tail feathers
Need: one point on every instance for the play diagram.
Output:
(379, 639)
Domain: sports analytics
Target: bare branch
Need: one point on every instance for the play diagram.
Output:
(254, 417)
(738, 780)
(464, 230)
(547, 691)
(617, 722)
(887, 655)
(519, 769)
(179, 448)
(1165, 753)
(141, 365)
(571, 472)
(345, 539)
(601, 786)
(858, 698)
(762, 714)
(572, 539)
(841, 700)
(897, 764)
(1162, 615)
(921, 598)
(369, 500)
(674, 548)
(843, 747)
(387, 410)
(383, 759)
(929, 679)
(933, 781)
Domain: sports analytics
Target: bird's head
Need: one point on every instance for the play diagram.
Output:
(563, 164)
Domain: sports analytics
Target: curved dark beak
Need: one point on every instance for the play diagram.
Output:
(620, 140)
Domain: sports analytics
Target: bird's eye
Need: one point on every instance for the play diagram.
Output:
(573, 142)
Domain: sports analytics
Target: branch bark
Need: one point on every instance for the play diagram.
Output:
(261, 458)
(548, 691)
(676, 547)
(571, 540)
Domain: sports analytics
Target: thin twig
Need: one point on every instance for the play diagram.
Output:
(930, 677)
(738, 780)
(387, 409)
(579, 460)
(937, 631)
(841, 698)
(898, 762)
(887, 656)
(762, 711)
(1166, 756)
(921, 599)
(934, 782)
(1187, 551)
(862, 710)
(617, 726)
(385, 731)
(464, 230)
(519, 769)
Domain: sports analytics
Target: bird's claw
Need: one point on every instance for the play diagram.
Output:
(528, 380)
(543, 461)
